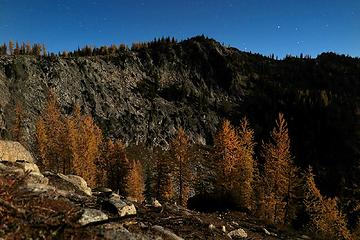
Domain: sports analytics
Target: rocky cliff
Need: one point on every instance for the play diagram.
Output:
(132, 95)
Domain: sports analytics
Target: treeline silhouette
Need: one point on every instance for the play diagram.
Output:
(23, 49)
(39, 49)
(265, 184)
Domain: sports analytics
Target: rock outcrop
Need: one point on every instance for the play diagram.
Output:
(14, 151)
(70, 183)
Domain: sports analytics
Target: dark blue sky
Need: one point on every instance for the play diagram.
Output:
(264, 26)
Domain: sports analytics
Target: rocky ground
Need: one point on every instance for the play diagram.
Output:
(55, 206)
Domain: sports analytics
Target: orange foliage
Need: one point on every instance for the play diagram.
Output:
(17, 129)
(326, 221)
(179, 150)
(134, 182)
(246, 166)
(164, 185)
(84, 139)
(68, 145)
(42, 141)
(280, 174)
(52, 139)
(226, 154)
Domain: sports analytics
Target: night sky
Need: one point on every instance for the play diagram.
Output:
(263, 26)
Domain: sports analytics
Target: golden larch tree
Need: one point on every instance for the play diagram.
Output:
(134, 182)
(246, 166)
(42, 141)
(119, 165)
(326, 220)
(52, 121)
(89, 143)
(163, 179)
(17, 129)
(103, 166)
(180, 154)
(226, 156)
(280, 174)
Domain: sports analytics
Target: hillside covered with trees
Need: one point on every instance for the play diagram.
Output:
(150, 121)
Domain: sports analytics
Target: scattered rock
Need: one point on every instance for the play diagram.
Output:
(234, 223)
(266, 232)
(37, 188)
(37, 177)
(70, 183)
(167, 233)
(211, 227)
(92, 216)
(156, 204)
(122, 207)
(143, 225)
(79, 182)
(102, 192)
(304, 237)
(28, 166)
(116, 231)
(238, 234)
(223, 229)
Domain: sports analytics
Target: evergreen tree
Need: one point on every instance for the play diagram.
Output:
(43, 49)
(28, 48)
(11, 47)
(17, 49)
(3, 49)
(36, 49)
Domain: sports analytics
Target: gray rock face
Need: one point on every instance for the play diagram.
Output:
(133, 96)
(92, 216)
